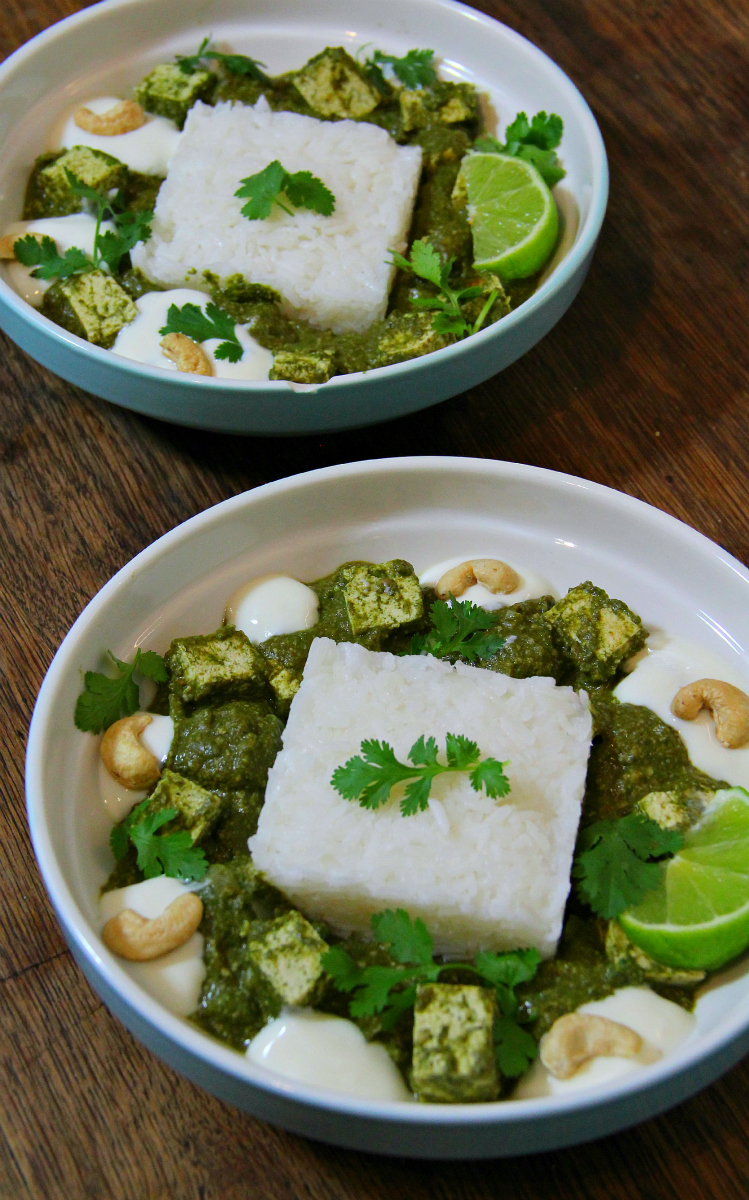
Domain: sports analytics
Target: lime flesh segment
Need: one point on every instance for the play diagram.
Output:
(513, 216)
(698, 915)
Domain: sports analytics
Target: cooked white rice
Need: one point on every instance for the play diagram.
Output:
(482, 873)
(331, 270)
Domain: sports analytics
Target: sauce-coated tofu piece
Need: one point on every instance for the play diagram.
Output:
(289, 955)
(595, 632)
(93, 306)
(224, 664)
(382, 595)
(453, 1056)
(49, 193)
(316, 366)
(333, 85)
(169, 92)
(197, 809)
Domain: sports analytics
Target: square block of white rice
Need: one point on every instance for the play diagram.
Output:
(332, 271)
(481, 873)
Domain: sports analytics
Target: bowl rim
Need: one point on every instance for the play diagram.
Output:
(561, 276)
(201, 1046)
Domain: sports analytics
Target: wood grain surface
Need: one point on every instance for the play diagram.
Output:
(643, 386)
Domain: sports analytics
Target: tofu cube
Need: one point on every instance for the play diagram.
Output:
(169, 92)
(334, 85)
(382, 596)
(407, 335)
(670, 810)
(445, 103)
(285, 683)
(595, 632)
(289, 955)
(49, 193)
(315, 366)
(198, 809)
(453, 1055)
(222, 664)
(625, 956)
(93, 306)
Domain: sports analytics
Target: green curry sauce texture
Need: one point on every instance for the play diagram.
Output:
(227, 743)
(444, 119)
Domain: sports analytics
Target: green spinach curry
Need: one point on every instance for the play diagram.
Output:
(228, 730)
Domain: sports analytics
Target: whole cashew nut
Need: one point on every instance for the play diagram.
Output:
(124, 755)
(728, 704)
(139, 939)
(186, 353)
(496, 576)
(577, 1037)
(120, 118)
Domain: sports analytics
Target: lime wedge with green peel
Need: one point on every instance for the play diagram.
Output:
(512, 214)
(698, 915)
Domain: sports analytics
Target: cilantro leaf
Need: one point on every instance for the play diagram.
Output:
(131, 228)
(170, 854)
(414, 69)
(263, 189)
(534, 141)
(460, 628)
(514, 1047)
(619, 861)
(49, 263)
(342, 969)
(152, 666)
(305, 190)
(202, 326)
(505, 971)
(409, 941)
(425, 262)
(111, 246)
(371, 777)
(236, 64)
(106, 700)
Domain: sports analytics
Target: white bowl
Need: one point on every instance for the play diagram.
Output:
(108, 47)
(423, 509)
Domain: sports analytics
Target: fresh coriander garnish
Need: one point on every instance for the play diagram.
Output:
(303, 189)
(49, 263)
(618, 862)
(371, 778)
(105, 700)
(534, 140)
(460, 628)
(425, 262)
(414, 69)
(158, 854)
(130, 227)
(236, 64)
(201, 326)
(391, 991)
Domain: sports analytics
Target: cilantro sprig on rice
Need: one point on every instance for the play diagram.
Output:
(265, 188)
(371, 777)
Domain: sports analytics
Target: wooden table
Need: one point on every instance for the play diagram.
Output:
(643, 386)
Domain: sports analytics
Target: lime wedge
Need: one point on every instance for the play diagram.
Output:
(698, 915)
(512, 214)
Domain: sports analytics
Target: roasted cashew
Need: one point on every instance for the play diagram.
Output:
(120, 118)
(186, 353)
(7, 244)
(124, 755)
(496, 576)
(728, 704)
(139, 940)
(577, 1037)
